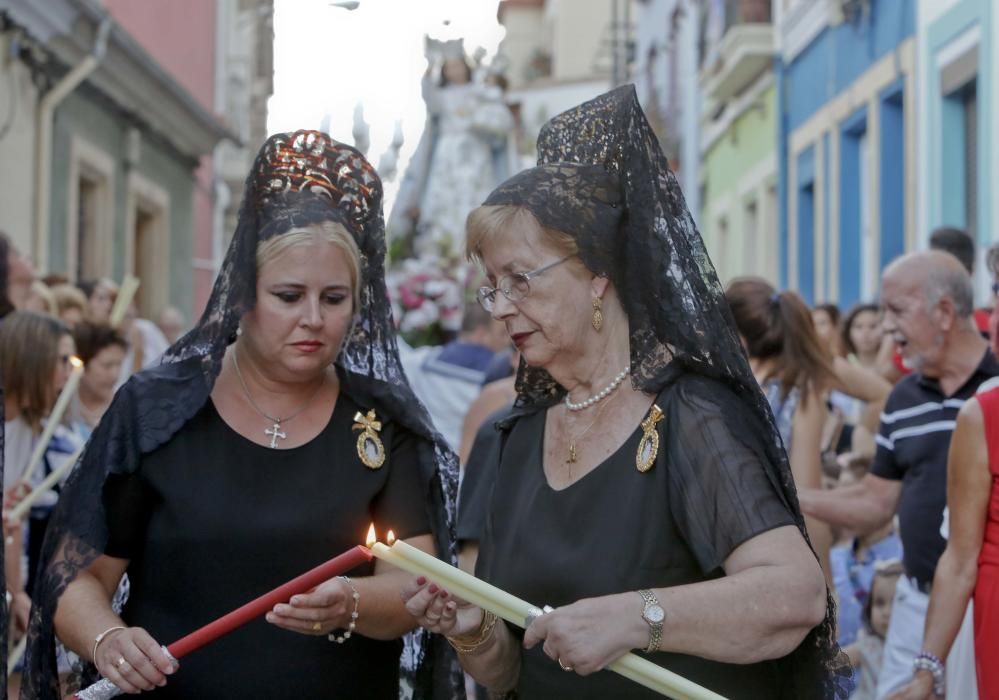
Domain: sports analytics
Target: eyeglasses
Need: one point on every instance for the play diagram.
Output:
(514, 287)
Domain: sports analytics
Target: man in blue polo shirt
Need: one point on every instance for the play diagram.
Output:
(927, 299)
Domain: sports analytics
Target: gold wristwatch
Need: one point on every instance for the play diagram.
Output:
(654, 616)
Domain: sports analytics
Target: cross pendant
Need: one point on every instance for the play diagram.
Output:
(275, 433)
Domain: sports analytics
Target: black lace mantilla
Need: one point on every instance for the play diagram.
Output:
(297, 179)
(603, 179)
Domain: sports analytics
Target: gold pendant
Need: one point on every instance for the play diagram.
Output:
(648, 446)
(369, 446)
(572, 452)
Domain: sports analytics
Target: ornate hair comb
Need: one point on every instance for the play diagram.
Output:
(311, 161)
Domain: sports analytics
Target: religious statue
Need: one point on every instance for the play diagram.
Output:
(454, 167)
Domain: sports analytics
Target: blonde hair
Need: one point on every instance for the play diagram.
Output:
(328, 231)
(488, 222)
(41, 290)
(67, 297)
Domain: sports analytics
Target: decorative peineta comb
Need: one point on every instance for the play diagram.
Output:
(311, 161)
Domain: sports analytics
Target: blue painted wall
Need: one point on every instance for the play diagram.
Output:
(850, 229)
(824, 69)
(946, 180)
(841, 54)
(806, 225)
(892, 180)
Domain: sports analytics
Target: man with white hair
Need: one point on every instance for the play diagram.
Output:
(927, 299)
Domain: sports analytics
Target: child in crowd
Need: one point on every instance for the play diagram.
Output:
(865, 654)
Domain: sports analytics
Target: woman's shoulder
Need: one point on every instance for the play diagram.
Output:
(698, 391)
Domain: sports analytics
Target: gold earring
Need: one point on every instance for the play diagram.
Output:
(598, 315)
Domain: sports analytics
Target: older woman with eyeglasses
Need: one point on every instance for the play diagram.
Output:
(641, 489)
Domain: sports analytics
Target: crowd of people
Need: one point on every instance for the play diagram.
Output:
(759, 495)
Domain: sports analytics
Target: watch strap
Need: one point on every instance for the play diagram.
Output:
(655, 628)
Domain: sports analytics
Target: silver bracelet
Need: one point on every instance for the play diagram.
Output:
(353, 616)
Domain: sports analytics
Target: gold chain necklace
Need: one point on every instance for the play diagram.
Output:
(573, 452)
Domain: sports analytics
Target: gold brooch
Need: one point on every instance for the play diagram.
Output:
(648, 446)
(369, 446)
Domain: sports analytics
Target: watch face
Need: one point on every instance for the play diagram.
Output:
(655, 614)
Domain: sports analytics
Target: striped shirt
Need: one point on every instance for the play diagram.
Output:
(912, 445)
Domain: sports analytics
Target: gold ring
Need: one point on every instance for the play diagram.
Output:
(317, 626)
(120, 662)
(564, 667)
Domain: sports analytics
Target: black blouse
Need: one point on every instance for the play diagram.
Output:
(212, 520)
(617, 529)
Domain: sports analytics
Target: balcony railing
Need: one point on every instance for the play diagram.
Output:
(746, 50)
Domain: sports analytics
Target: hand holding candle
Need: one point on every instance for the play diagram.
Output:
(245, 613)
(522, 613)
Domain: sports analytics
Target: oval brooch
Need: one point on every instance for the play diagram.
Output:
(370, 449)
(648, 446)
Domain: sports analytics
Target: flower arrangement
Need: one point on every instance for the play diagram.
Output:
(427, 301)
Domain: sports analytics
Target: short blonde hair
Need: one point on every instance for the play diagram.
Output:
(488, 222)
(328, 231)
(67, 298)
(41, 290)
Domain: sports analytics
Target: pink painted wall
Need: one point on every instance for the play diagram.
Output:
(181, 36)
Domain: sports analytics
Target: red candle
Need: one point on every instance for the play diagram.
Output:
(282, 594)
(250, 611)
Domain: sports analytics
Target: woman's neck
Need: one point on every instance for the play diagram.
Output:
(763, 368)
(598, 366)
(264, 385)
(10, 408)
(92, 401)
(867, 359)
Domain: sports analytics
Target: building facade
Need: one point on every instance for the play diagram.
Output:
(145, 130)
(957, 101)
(738, 138)
(107, 142)
(558, 54)
(665, 66)
(846, 78)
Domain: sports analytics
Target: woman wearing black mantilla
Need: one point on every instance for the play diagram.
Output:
(265, 444)
(642, 488)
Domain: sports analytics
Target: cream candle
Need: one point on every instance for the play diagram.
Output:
(55, 418)
(521, 613)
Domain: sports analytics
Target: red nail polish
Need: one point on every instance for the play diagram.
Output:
(444, 594)
(422, 580)
(433, 588)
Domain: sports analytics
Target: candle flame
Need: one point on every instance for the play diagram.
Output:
(372, 536)
(76, 361)
(391, 537)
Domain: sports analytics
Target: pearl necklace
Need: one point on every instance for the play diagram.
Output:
(602, 394)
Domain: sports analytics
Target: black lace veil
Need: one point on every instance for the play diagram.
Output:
(297, 179)
(603, 179)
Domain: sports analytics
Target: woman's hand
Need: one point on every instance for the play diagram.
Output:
(20, 609)
(438, 611)
(15, 494)
(919, 688)
(133, 660)
(588, 635)
(326, 608)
